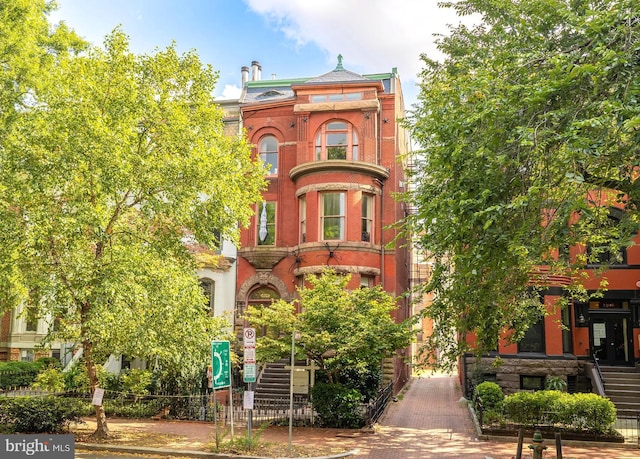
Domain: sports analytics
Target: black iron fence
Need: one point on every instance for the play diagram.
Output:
(203, 407)
(375, 409)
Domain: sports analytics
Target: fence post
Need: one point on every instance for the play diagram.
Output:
(520, 441)
(558, 446)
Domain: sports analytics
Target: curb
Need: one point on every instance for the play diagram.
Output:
(186, 453)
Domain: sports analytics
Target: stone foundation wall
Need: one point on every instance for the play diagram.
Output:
(507, 374)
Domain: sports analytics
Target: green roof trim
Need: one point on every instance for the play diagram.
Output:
(274, 83)
(292, 81)
(379, 76)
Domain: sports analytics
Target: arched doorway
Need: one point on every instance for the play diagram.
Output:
(262, 296)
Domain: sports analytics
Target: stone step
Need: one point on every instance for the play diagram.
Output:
(627, 406)
(618, 369)
(615, 398)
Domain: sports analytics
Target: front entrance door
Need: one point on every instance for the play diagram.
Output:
(610, 338)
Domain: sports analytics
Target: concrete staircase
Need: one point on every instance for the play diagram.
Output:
(622, 386)
(272, 390)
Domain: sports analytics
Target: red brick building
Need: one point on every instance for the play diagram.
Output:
(606, 328)
(334, 149)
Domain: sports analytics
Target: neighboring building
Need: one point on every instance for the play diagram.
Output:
(333, 145)
(20, 335)
(606, 328)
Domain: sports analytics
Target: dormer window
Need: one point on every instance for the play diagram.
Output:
(337, 140)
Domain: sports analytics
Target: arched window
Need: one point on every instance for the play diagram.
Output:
(337, 140)
(269, 153)
(209, 289)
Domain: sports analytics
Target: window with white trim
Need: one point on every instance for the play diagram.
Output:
(333, 216)
(303, 219)
(367, 218)
(337, 140)
(269, 153)
(208, 288)
(266, 227)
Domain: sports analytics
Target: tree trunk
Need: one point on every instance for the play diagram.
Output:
(102, 430)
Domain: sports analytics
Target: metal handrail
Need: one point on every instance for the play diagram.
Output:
(598, 370)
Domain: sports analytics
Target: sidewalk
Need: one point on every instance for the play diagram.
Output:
(428, 421)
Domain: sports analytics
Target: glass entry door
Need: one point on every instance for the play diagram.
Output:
(610, 338)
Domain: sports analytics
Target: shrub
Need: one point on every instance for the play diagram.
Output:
(590, 412)
(366, 381)
(132, 409)
(555, 383)
(38, 414)
(137, 382)
(49, 362)
(491, 395)
(51, 380)
(18, 374)
(524, 408)
(337, 406)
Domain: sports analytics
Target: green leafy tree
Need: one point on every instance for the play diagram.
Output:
(529, 129)
(114, 167)
(338, 329)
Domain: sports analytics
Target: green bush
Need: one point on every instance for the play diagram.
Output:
(337, 406)
(137, 382)
(51, 379)
(38, 414)
(555, 383)
(491, 395)
(49, 362)
(132, 409)
(18, 374)
(589, 412)
(524, 408)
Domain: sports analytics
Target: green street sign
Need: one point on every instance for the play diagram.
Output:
(249, 372)
(221, 364)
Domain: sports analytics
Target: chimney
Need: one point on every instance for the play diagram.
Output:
(244, 71)
(254, 70)
(259, 72)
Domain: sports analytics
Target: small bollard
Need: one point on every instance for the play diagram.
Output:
(537, 445)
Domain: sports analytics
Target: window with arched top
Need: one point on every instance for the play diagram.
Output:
(209, 289)
(337, 140)
(269, 154)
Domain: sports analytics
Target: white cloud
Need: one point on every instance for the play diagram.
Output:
(230, 92)
(372, 35)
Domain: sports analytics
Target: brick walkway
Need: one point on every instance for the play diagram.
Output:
(428, 421)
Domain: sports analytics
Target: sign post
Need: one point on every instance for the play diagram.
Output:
(221, 364)
(221, 369)
(249, 374)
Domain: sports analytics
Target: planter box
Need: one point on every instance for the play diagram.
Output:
(548, 433)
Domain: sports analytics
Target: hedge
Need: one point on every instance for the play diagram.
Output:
(589, 412)
(38, 414)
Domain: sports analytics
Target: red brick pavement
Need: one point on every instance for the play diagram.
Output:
(428, 421)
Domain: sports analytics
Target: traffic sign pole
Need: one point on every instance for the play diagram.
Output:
(221, 369)
(249, 373)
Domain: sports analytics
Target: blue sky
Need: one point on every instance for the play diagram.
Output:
(290, 38)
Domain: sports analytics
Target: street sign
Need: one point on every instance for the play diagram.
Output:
(249, 355)
(221, 364)
(249, 337)
(249, 372)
